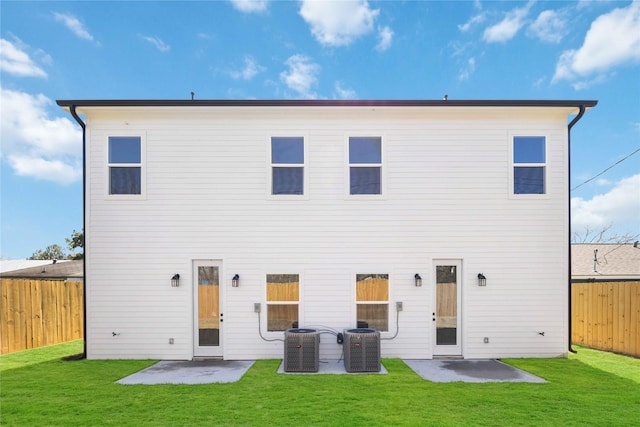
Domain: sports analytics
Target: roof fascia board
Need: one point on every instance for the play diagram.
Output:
(323, 103)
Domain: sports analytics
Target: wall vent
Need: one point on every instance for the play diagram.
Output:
(301, 350)
(361, 350)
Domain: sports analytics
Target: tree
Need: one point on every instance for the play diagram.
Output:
(50, 252)
(76, 241)
(601, 236)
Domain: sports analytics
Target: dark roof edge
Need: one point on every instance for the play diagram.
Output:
(320, 103)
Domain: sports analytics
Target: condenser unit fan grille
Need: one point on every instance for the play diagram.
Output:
(362, 350)
(301, 350)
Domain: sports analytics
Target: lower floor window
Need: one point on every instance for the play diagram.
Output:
(283, 297)
(125, 180)
(372, 300)
(528, 180)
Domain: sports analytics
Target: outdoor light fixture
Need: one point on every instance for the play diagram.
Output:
(418, 280)
(175, 280)
(235, 281)
(482, 281)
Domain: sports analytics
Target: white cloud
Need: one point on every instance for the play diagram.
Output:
(36, 145)
(473, 21)
(458, 48)
(539, 82)
(48, 170)
(468, 69)
(17, 62)
(613, 39)
(338, 23)
(250, 70)
(43, 57)
(506, 29)
(301, 76)
(158, 43)
(619, 207)
(73, 24)
(344, 93)
(385, 36)
(549, 26)
(250, 6)
(205, 36)
(585, 84)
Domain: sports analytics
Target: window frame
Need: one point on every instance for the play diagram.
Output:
(513, 165)
(298, 303)
(376, 302)
(141, 166)
(304, 166)
(349, 165)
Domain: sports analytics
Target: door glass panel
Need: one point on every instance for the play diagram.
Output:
(446, 305)
(208, 306)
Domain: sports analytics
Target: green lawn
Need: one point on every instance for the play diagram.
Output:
(589, 389)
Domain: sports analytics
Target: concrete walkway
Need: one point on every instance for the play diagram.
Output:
(470, 371)
(190, 372)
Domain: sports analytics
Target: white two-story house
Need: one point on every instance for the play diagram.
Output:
(213, 226)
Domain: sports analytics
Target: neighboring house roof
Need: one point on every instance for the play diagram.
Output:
(19, 264)
(322, 103)
(611, 262)
(57, 270)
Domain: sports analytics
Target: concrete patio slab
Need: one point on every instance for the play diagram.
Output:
(333, 366)
(470, 371)
(225, 371)
(190, 372)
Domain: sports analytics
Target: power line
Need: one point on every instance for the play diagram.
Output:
(594, 177)
(621, 245)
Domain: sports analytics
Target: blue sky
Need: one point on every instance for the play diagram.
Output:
(310, 49)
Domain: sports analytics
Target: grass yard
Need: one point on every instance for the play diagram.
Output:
(589, 389)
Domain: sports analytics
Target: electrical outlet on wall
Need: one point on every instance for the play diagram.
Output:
(398, 305)
(256, 307)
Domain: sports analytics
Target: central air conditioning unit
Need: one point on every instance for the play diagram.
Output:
(301, 350)
(361, 350)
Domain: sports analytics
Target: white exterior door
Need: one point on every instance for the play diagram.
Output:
(447, 314)
(208, 315)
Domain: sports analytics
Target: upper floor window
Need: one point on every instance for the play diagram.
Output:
(125, 165)
(365, 165)
(283, 297)
(287, 165)
(529, 165)
(372, 300)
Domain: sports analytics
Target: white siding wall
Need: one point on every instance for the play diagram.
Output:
(446, 195)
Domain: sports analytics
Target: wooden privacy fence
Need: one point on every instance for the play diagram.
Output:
(35, 313)
(606, 316)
